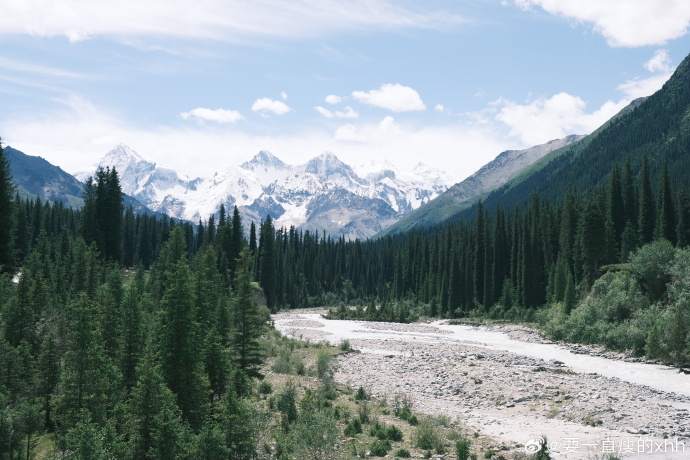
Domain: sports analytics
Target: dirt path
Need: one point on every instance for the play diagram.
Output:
(501, 386)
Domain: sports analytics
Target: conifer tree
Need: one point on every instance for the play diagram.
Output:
(180, 345)
(267, 262)
(646, 212)
(88, 380)
(615, 209)
(155, 425)
(6, 214)
(248, 321)
(666, 213)
(131, 337)
(252, 238)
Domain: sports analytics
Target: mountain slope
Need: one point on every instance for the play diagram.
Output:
(489, 177)
(33, 176)
(656, 128)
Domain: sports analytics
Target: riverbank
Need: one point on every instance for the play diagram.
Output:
(512, 389)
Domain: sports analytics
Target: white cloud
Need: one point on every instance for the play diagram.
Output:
(214, 115)
(76, 137)
(629, 23)
(546, 118)
(333, 99)
(283, 95)
(392, 96)
(266, 105)
(8, 64)
(210, 19)
(660, 65)
(557, 116)
(639, 87)
(439, 108)
(660, 62)
(347, 112)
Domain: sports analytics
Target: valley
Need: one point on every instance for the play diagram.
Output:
(505, 384)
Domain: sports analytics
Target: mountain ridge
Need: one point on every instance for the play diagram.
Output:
(293, 195)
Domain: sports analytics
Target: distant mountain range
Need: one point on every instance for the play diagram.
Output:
(325, 194)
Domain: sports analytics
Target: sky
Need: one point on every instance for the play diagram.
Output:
(196, 85)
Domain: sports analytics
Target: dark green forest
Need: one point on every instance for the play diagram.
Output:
(123, 335)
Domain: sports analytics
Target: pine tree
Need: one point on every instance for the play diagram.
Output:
(252, 238)
(236, 240)
(569, 296)
(155, 425)
(248, 321)
(615, 209)
(6, 214)
(267, 262)
(131, 337)
(88, 380)
(180, 347)
(646, 213)
(666, 213)
(592, 240)
(683, 221)
(49, 375)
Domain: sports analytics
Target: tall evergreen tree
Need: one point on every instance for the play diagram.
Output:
(666, 213)
(180, 347)
(267, 262)
(88, 380)
(6, 214)
(646, 212)
(248, 321)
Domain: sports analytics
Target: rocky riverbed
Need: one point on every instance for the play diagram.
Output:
(501, 387)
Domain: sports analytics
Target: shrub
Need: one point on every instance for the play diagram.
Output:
(393, 433)
(651, 263)
(462, 449)
(361, 395)
(286, 405)
(345, 345)
(364, 413)
(378, 431)
(323, 365)
(288, 362)
(427, 437)
(353, 428)
(380, 448)
(265, 388)
(402, 407)
(402, 453)
(316, 435)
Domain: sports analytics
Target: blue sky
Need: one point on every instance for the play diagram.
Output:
(197, 85)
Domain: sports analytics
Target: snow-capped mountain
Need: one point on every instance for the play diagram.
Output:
(324, 194)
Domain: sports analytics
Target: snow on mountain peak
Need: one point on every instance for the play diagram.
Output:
(263, 159)
(121, 157)
(324, 194)
(328, 164)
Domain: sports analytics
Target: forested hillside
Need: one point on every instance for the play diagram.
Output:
(656, 128)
